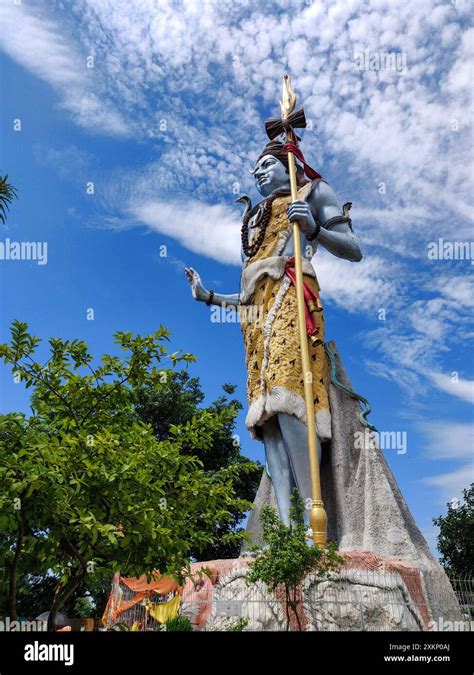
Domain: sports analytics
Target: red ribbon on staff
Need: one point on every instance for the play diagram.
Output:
(311, 173)
(310, 298)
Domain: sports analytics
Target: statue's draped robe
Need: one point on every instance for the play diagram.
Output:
(270, 331)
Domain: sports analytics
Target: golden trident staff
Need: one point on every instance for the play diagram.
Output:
(317, 517)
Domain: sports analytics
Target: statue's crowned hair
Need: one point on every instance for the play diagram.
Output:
(278, 150)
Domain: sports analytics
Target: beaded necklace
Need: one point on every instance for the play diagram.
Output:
(263, 212)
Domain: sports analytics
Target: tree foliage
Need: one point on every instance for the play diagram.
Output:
(456, 536)
(177, 403)
(86, 488)
(7, 194)
(285, 558)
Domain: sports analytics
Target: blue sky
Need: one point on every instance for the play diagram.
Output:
(161, 105)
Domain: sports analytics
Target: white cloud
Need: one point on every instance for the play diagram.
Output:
(448, 440)
(410, 356)
(463, 389)
(459, 289)
(38, 44)
(390, 126)
(42, 44)
(360, 286)
(452, 483)
(212, 231)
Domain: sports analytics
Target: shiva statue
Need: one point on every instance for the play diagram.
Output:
(275, 392)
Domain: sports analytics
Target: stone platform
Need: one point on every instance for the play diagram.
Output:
(370, 592)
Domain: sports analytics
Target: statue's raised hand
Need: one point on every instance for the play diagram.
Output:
(197, 288)
(300, 210)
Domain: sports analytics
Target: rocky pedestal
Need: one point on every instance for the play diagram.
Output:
(370, 592)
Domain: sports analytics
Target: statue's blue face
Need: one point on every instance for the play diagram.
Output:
(269, 174)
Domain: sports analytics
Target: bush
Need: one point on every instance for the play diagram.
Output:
(178, 624)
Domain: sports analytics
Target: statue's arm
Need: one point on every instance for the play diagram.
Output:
(335, 232)
(220, 299)
(201, 294)
(336, 236)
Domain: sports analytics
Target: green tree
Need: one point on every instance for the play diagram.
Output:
(7, 194)
(86, 488)
(94, 591)
(285, 558)
(26, 587)
(177, 402)
(82, 608)
(456, 537)
(35, 593)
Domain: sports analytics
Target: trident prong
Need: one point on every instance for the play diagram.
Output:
(288, 102)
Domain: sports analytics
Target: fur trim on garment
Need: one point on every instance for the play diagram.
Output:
(278, 400)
